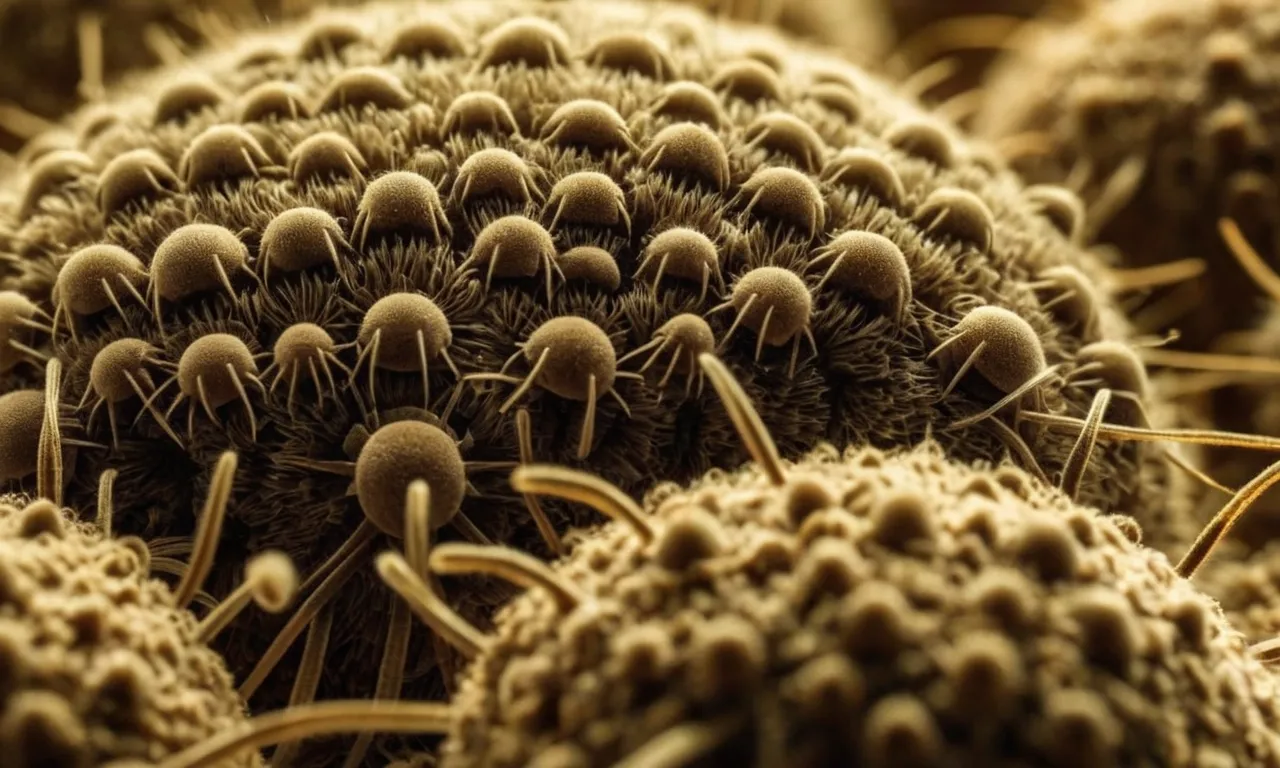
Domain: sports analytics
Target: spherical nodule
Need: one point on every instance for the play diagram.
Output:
(302, 344)
(406, 327)
(196, 258)
(576, 350)
(21, 416)
(865, 656)
(395, 456)
(780, 296)
(212, 366)
(516, 164)
(1012, 355)
(114, 366)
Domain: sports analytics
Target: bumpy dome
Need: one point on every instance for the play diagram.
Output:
(1176, 123)
(515, 225)
(97, 660)
(860, 608)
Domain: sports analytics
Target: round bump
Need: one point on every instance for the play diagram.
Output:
(49, 173)
(186, 97)
(1046, 547)
(479, 112)
(691, 102)
(1081, 729)
(576, 349)
(776, 294)
(1060, 206)
(841, 99)
(194, 259)
(903, 521)
(1117, 365)
(1109, 633)
(115, 364)
(512, 246)
(131, 178)
(923, 140)
(393, 458)
(534, 42)
(42, 517)
(691, 536)
(94, 278)
(326, 157)
(402, 204)
(274, 101)
(222, 153)
(958, 214)
(203, 373)
(328, 38)
(688, 150)
(866, 171)
(21, 417)
(426, 39)
(302, 346)
(587, 123)
(493, 171)
(787, 134)
(1074, 299)
(300, 238)
(727, 658)
(589, 264)
(96, 121)
(868, 265)
(689, 336)
(788, 196)
(590, 198)
(682, 253)
(1012, 355)
(402, 321)
(900, 730)
(749, 80)
(361, 87)
(986, 673)
(18, 314)
(632, 52)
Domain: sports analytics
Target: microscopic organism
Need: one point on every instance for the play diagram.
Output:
(437, 240)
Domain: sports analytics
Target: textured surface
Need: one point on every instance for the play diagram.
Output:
(96, 661)
(451, 157)
(1175, 123)
(875, 609)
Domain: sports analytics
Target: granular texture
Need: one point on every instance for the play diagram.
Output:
(62, 53)
(433, 240)
(859, 608)
(1159, 112)
(97, 662)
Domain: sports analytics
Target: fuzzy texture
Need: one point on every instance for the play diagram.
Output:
(875, 609)
(431, 144)
(43, 70)
(1187, 97)
(96, 662)
(1186, 93)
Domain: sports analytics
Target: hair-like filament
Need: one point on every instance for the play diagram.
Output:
(519, 568)
(1227, 517)
(585, 488)
(751, 429)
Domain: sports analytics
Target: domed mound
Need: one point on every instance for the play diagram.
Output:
(1177, 124)
(860, 608)
(431, 240)
(98, 661)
